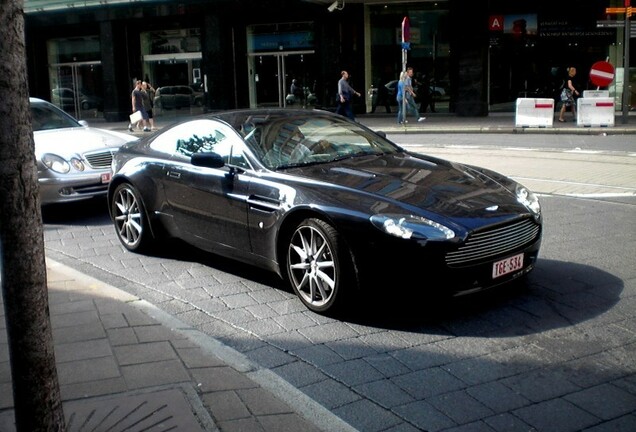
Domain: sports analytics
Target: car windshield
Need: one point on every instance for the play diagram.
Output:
(284, 141)
(46, 116)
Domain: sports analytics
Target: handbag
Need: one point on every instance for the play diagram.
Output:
(135, 117)
(566, 95)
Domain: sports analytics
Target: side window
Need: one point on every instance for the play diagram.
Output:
(202, 136)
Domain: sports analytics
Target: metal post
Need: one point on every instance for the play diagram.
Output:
(626, 92)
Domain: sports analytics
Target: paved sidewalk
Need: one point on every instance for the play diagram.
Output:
(125, 365)
(434, 123)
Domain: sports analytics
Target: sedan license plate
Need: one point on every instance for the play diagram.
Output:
(507, 265)
(106, 177)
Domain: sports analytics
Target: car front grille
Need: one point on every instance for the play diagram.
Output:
(495, 242)
(101, 159)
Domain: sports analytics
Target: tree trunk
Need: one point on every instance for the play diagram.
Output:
(36, 392)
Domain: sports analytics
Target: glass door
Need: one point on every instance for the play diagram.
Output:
(272, 76)
(76, 88)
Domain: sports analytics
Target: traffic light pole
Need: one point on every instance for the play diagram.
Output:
(626, 91)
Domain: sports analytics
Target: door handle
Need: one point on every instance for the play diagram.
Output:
(174, 174)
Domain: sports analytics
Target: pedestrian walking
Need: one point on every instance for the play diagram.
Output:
(568, 93)
(138, 105)
(345, 93)
(406, 97)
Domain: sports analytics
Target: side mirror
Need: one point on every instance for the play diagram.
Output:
(207, 160)
(83, 123)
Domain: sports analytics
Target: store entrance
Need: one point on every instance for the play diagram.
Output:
(271, 76)
(77, 88)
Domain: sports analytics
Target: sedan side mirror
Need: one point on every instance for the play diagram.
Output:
(207, 160)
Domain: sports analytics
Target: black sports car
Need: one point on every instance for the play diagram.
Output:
(326, 203)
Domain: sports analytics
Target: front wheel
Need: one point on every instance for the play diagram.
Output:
(130, 219)
(317, 265)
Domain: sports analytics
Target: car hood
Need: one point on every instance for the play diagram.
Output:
(70, 141)
(422, 184)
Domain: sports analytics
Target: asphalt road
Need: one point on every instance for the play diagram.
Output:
(556, 354)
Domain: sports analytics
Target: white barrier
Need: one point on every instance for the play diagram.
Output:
(536, 112)
(595, 111)
(595, 93)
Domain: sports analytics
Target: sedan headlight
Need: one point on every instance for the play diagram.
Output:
(407, 227)
(528, 199)
(60, 165)
(56, 163)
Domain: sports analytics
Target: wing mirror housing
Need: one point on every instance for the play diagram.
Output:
(207, 160)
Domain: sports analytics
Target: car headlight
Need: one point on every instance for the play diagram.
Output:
(77, 164)
(528, 199)
(407, 227)
(56, 163)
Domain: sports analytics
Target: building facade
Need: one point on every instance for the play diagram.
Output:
(471, 57)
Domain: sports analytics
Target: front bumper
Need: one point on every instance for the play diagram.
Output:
(60, 190)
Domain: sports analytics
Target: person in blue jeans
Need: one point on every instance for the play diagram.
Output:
(345, 92)
(405, 97)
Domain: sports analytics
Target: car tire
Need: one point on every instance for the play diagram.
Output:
(318, 266)
(129, 217)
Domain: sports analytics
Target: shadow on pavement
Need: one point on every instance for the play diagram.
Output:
(556, 294)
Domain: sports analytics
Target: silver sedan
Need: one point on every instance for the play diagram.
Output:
(73, 159)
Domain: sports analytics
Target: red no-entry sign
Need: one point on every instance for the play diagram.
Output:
(602, 73)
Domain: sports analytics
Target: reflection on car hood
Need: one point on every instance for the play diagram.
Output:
(454, 190)
(70, 141)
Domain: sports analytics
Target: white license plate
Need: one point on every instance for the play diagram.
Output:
(106, 177)
(507, 265)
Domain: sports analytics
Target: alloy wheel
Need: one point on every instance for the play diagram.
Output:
(312, 267)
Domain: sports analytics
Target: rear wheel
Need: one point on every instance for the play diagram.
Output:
(130, 219)
(317, 265)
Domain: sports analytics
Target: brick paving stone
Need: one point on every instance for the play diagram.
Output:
(93, 369)
(387, 365)
(605, 401)
(271, 357)
(353, 372)
(556, 415)
(506, 422)
(284, 423)
(195, 357)
(460, 407)
(385, 393)
(330, 393)
(625, 423)
(84, 332)
(541, 385)
(226, 405)
(141, 353)
(156, 373)
(220, 378)
(498, 397)
(299, 374)
(427, 383)
(425, 416)
(262, 402)
(82, 350)
(367, 416)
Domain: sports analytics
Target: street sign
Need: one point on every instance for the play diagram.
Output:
(619, 10)
(610, 24)
(602, 73)
(406, 30)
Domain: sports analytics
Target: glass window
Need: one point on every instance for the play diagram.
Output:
(172, 64)
(429, 52)
(202, 136)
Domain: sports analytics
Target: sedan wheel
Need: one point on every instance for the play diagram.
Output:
(130, 219)
(315, 265)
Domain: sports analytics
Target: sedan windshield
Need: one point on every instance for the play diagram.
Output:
(287, 141)
(46, 116)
